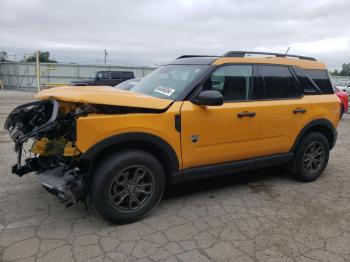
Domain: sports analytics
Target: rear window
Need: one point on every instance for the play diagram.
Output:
(121, 74)
(321, 79)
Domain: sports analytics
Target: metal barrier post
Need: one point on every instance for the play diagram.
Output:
(37, 71)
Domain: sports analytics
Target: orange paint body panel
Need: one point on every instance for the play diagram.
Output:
(96, 127)
(104, 95)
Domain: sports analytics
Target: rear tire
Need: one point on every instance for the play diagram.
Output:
(311, 157)
(127, 185)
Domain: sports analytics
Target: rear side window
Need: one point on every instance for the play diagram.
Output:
(321, 79)
(115, 75)
(127, 75)
(279, 82)
(306, 83)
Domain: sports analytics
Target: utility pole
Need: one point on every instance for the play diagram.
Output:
(37, 71)
(105, 57)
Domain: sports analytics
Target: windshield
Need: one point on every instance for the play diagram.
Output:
(169, 81)
(128, 84)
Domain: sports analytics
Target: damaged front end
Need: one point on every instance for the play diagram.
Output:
(53, 155)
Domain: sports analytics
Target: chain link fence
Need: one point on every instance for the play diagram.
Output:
(22, 75)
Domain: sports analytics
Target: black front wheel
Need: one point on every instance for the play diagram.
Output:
(127, 185)
(311, 157)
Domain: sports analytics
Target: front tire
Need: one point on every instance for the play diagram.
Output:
(127, 185)
(311, 157)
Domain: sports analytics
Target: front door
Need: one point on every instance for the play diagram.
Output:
(219, 134)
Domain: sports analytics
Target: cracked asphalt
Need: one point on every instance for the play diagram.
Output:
(258, 216)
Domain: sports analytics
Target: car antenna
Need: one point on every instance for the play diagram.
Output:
(287, 50)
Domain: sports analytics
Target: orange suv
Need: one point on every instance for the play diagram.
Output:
(196, 117)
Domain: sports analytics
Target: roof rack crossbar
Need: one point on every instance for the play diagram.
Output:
(243, 53)
(189, 56)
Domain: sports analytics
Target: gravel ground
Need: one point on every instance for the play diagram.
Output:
(259, 216)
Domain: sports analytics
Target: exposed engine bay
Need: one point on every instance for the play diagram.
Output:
(51, 127)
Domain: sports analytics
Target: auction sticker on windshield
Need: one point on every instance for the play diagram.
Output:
(164, 90)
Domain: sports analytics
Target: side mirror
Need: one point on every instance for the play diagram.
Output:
(210, 98)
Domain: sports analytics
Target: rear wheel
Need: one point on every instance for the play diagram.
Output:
(127, 185)
(311, 157)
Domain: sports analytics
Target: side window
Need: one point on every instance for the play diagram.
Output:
(234, 82)
(305, 82)
(321, 79)
(99, 76)
(115, 75)
(279, 82)
(127, 75)
(104, 75)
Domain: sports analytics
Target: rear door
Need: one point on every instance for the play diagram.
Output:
(285, 110)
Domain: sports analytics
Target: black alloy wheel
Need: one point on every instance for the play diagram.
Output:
(131, 188)
(314, 157)
(127, 185)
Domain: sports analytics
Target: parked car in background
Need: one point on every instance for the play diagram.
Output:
(105, 78)
(128, 84)
(344, 99)
(342, 85)
(348, 89)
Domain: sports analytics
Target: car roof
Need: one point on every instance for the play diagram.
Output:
(107, 71)
(245, 57)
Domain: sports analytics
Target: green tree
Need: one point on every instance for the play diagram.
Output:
(3, 56)
(345, 70)
(335, 72)
(43, 57)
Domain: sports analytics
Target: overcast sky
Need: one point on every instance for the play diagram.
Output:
(155, 31)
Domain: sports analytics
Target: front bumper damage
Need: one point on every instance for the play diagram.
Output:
(53, 155)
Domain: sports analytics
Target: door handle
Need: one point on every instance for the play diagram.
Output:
(299, 111)
(245, 114)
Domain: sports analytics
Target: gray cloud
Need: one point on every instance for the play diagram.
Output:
(155, 31)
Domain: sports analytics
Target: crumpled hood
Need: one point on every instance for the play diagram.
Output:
(104, 95)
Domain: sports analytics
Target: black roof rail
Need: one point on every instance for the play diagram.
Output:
(243, 53)
(189, 56)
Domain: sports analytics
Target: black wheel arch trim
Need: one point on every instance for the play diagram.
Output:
(220, 169)
(93, 151)
(322, 123)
